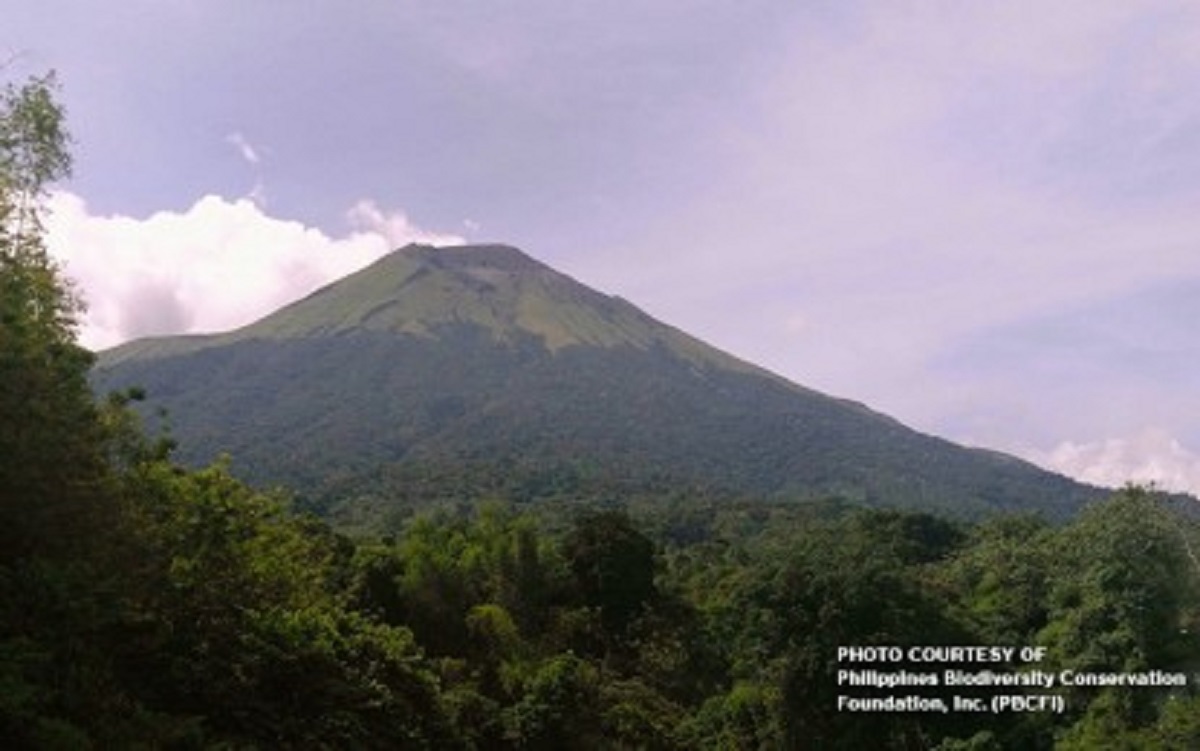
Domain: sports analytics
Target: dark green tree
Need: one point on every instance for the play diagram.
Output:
(1123, 587)
(51, 457)
(858, 582)
(613, 566)
(57, 506)
(1001, 580)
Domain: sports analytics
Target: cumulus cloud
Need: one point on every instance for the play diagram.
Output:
(218, 265)
(1150, 456)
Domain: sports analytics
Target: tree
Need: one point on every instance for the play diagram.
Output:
(38, 306)
(1118, 604)
(613, 564)
(51, 444)
(55, 495)
(857, 582)
(1002, 578)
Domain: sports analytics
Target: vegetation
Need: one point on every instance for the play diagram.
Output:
(144, 605)
(436, 369)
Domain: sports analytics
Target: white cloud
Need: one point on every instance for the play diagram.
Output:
(1150, 456)
(394, 226)
(258, 193)
(218, 265)
(248, 152)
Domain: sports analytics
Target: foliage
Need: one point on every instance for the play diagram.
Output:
(51, 474)
(145, 605)
(613, 566)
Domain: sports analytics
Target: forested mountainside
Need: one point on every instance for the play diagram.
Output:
(439, 364)
(145, 604)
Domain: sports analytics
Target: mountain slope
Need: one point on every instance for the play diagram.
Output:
(478, 369)
(421, 289)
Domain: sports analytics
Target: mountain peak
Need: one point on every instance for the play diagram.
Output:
(423, 290)
(495, 256)
(426, 291)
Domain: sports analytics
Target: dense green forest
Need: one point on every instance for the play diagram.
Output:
(435, 373)
(148, 606)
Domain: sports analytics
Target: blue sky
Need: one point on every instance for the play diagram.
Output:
(979, 218)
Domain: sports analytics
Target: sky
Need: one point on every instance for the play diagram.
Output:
(979, 218)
